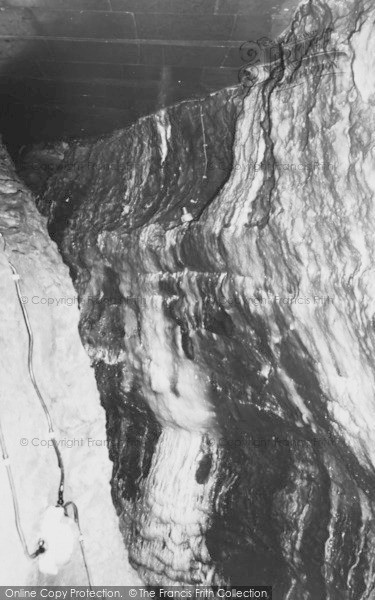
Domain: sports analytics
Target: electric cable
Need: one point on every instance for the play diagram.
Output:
(16, 278)
(60, 500)
(16, 509)
(81, 538)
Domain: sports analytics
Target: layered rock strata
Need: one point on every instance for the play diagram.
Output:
(233, 341)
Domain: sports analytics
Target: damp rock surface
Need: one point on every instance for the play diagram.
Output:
(67, 382)
(234, 349)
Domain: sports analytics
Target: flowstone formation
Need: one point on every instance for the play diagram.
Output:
(67, 382)
(233, 347)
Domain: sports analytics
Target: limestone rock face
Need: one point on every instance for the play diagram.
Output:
(67, 383)
(234, 350)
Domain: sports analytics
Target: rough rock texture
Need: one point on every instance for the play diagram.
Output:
(234, 353)
(67, 382)
(167, 545)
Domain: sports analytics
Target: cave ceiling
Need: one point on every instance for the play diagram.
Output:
(71, 68)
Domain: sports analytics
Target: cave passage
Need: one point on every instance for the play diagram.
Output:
(188, 217)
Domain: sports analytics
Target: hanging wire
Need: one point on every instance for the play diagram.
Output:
(60, 501)
(81, 538)
(16, 278)
(16, 509)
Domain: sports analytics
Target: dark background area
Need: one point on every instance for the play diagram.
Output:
(71, 68)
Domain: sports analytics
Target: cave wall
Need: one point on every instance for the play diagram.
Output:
(233, 352)
(67, 383)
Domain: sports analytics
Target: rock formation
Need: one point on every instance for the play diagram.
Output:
(233, 341)
(67, 382)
